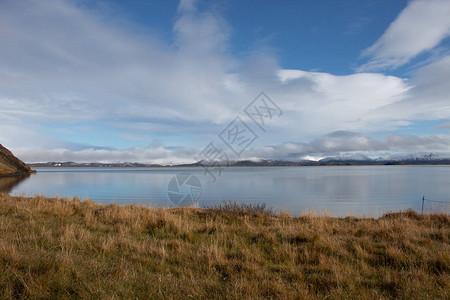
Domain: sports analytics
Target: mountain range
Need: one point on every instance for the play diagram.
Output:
(347, 159)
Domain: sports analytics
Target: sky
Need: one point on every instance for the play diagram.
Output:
(161, 81)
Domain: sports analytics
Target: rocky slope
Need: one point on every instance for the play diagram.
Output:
(11, 165)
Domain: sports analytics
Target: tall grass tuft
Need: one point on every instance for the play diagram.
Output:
(242, 209)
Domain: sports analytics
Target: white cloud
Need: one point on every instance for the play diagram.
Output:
(341, 142)
(335, 143)
(442, 126)
(437, 142)
(151, 154)
(320, 102)
(61, 63)
(420, 27)
(427, 99)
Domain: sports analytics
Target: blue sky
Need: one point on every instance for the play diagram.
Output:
(156, 81)
(308, 35)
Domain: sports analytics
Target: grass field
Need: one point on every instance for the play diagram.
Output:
(67, 248)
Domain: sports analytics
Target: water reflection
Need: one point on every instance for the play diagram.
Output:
(340, 190)
(8, 183)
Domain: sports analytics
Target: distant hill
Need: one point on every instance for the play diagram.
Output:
(355, 159)
(410, 159)
(340, 160)
(11, 165)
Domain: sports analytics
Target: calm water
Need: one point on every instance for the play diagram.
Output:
(339, 190)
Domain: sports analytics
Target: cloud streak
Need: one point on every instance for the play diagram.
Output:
(420, 27)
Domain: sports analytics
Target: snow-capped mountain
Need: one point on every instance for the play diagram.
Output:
(419, 157)
(347, 157)
(401, 158)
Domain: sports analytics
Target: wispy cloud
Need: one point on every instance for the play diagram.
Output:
(420, 27)
(63, 64)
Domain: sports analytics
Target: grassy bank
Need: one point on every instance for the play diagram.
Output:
(69, 248)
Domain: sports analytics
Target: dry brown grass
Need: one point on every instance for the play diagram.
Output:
(67, 248)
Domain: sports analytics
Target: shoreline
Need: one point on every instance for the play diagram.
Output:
(237, 166)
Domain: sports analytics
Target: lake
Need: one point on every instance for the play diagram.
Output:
(338, 190)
